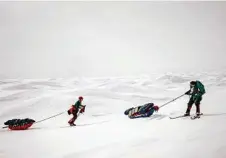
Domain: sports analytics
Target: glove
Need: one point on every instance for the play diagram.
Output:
(188, 92)
(82, 110)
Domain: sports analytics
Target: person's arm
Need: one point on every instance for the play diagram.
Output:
(188, 92)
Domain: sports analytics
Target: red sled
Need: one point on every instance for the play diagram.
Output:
(19, 124)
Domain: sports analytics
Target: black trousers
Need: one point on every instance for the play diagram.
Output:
(197, 104)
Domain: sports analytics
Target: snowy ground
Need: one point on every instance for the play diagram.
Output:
(104, 131)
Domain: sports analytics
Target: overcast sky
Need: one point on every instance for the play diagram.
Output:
(92, 39)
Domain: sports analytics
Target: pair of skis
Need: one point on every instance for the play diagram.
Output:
(192, 117)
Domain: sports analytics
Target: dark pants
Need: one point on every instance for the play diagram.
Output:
(74, 113)
(197, 104)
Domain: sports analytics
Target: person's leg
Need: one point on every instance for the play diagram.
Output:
(190, 103)
(72, 120)
(75, 115)
(197, 104)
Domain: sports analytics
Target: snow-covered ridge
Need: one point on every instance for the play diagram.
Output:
(142, 81)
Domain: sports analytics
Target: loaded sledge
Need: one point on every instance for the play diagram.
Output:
(19, 124)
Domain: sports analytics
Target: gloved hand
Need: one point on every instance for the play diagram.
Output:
(188, 92)
(82, 110)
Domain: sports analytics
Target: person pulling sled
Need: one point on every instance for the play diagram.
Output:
(197, 90)
(75, 110)
(145, 110)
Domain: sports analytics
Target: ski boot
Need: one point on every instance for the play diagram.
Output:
(72, 124)
(186, 114)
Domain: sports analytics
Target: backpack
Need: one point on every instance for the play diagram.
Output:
(201, 87)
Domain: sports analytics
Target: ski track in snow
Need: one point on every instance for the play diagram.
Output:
(104, 131)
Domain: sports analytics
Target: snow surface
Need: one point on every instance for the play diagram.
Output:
(104, 131)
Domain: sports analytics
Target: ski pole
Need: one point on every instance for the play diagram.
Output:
(172, 100)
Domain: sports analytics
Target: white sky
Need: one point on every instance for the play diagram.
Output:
(90, 39)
